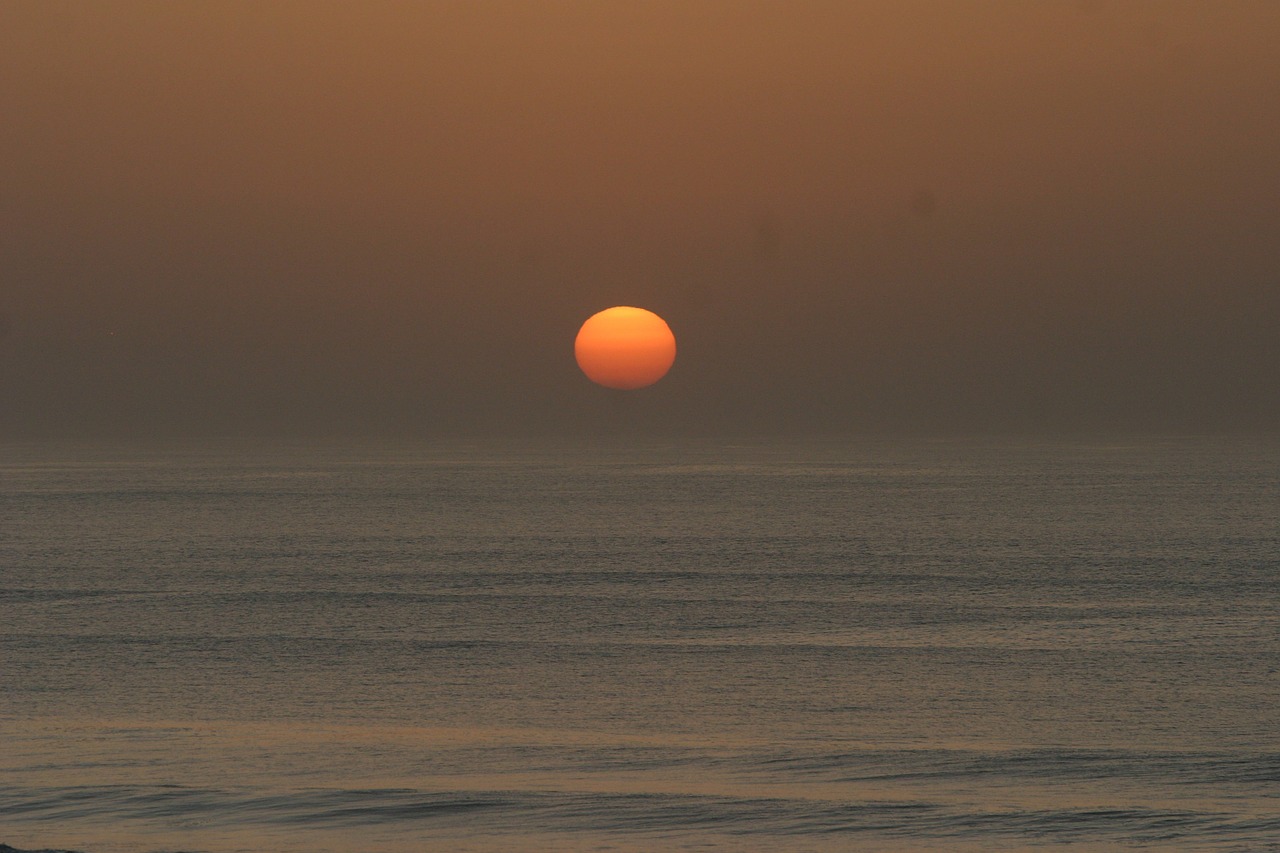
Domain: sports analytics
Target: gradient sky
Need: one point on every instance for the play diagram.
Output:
(390, 218)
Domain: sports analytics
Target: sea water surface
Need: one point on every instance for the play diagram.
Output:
(858, 646)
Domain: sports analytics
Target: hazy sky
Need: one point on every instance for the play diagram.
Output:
(390, 218)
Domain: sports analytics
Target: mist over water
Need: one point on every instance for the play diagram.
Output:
(889, 646)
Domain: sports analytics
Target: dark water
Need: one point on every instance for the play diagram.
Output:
(948, 646)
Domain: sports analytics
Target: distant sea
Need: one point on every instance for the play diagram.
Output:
(790, 647)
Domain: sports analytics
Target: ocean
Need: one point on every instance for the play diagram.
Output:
(833, 646)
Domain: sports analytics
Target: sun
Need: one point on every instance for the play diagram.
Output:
(625, 348)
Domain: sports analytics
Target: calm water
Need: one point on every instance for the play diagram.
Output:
(948, 646)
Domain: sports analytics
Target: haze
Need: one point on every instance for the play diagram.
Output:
(388, 218)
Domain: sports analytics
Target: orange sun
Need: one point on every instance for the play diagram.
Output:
(625, 348)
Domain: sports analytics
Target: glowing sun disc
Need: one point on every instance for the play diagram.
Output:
(625, 348)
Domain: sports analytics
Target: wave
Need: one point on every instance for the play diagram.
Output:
(516, 812)
(1058, 764)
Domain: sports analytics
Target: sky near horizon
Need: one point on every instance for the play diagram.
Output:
(384, 218)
